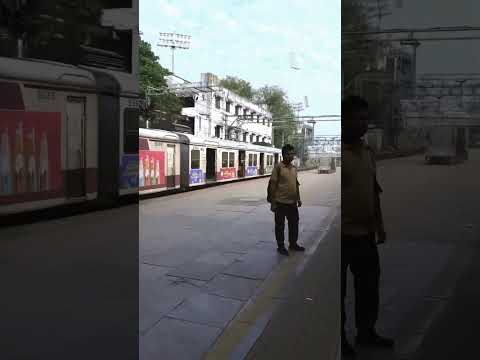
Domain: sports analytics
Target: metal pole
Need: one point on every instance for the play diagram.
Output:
(173, 59)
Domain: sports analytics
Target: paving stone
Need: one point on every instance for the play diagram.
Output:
(173, 339)
(157, 299)
(205, 267)
(207, 309)
(233, 287)
(254, 265)
(173, 258)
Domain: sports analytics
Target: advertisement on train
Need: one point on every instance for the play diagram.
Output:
(196, 176)
(152, 169)
(129, 174)
(251, 171)
(30, 162)
(227, 173)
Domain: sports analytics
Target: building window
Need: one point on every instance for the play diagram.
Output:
(250, 159)
(263, 122)
(217, 131)
(231, 160)
(218, 101)
(251, 138)
(255, 160)
(245, 137)
(228, 106)
(195, 156)
(258, 120)
(244, 112)
(237, 110)
(258, 138)
(224, 159)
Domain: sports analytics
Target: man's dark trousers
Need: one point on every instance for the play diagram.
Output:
(361, 255)
(289, 211)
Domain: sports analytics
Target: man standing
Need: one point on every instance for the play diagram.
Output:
(284, 196)
(362, 226)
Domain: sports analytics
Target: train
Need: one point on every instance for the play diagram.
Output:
(70, 135)
(170, 161)
(67, 133)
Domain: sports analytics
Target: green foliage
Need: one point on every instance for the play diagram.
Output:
(152, 75)
(238, 86)
(283, 115)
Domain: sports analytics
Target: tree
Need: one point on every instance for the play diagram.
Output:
(153, 75)
(238, 86)
(282, 112)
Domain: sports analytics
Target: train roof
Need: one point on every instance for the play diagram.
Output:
(203, 141)
(158, 134)
(45, 72)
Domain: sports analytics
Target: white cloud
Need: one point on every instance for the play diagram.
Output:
(168, 9)
(226, 20)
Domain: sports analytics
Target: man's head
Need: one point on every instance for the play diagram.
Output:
(354, 118)
(288, 153)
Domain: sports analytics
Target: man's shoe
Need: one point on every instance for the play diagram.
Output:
(282, 251)
(374, 340)
(347, 350)
(296, 247)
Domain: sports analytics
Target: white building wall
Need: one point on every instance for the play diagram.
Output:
(205, 105)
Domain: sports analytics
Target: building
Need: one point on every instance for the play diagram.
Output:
(384, 86)
(220, 113)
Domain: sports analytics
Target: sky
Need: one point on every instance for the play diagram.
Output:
(445, 56)
(252, 40)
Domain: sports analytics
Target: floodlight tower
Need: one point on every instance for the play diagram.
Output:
(174, 41)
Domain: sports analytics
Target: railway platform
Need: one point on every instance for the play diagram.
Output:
(213, 279)
(429, 297)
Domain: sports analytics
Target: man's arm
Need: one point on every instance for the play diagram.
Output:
(272, 184)
(299, 201)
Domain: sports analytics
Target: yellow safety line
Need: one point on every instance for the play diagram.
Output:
(271, 289)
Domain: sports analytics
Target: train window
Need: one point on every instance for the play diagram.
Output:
(11, 98)
(231, 160)
(130, 133)
(224, 159)
(195, 156)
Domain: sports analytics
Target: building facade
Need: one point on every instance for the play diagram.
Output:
(220, 113)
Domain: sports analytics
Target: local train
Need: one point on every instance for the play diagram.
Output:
(170, 161)
(68, 134)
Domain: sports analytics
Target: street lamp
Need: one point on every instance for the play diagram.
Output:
(174, 41)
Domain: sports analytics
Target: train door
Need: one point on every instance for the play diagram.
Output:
(170, 166)
(241, 163)
(262, 163)
(211, 164)
(76, 164)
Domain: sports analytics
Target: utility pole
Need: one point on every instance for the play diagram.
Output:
(174, 41)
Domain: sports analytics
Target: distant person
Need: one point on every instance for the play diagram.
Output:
(284, 197)
(362, 226)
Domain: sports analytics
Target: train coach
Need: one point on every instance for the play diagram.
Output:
(68, 135)
(173, 161)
